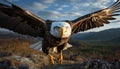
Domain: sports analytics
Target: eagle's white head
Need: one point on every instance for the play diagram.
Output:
(60, 29)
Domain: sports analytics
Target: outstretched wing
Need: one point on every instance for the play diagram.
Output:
(20, 20)
(96, 19)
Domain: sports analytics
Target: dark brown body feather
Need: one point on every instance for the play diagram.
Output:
(51, 41)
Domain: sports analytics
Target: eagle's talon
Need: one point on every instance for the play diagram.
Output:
(51, 59)
(60, 58)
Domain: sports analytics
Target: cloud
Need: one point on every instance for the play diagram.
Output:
(86, 4)
(62, 7)
(73, 0)
(56, 4)
(50, 15)
(38, 6)
(14, 0)
(66, 9)
(101, 3)
(48, 1)
(56, 15)
(114, 0)
(66, 1)
(76, 8)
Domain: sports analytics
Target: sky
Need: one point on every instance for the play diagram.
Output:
(66, 9)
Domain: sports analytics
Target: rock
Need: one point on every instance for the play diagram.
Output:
(4, 64)
(23, 67)
(41, 62)
(5, 54)
(65, 66)
(77, 58)
(13, 67)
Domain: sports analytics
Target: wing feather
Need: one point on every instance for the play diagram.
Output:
(22, 17)
(96, 19)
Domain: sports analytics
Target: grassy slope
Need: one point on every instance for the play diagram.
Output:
(15, 46)
(109, 37)
(97, 50)
(104, 43)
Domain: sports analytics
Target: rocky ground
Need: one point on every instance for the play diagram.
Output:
(71, 61)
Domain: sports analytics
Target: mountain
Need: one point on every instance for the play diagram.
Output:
(12, 35)
(109, 36)
(102, 35)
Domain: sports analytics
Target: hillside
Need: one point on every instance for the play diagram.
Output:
(105, 37)
(12, 35)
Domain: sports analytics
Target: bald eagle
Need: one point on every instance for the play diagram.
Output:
(54, 33)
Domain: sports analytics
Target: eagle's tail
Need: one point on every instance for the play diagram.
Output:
(37, 46)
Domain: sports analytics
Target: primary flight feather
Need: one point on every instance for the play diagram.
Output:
(54, 33)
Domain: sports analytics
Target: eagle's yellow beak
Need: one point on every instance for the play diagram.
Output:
(62, 32)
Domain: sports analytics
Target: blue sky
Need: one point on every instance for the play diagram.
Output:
(66, 9)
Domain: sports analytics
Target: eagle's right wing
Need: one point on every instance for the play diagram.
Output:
(21, 21)
(96, 19)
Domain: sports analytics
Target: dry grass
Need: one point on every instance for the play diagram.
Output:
(16, 46)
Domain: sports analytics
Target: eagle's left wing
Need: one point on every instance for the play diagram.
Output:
(22, 21)
(96, 19)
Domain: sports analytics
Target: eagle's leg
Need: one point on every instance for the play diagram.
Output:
(60, 58)
(51, 58)
(46, 49)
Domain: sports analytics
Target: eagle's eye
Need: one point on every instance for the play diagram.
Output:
(56, 28)
(67, 27)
